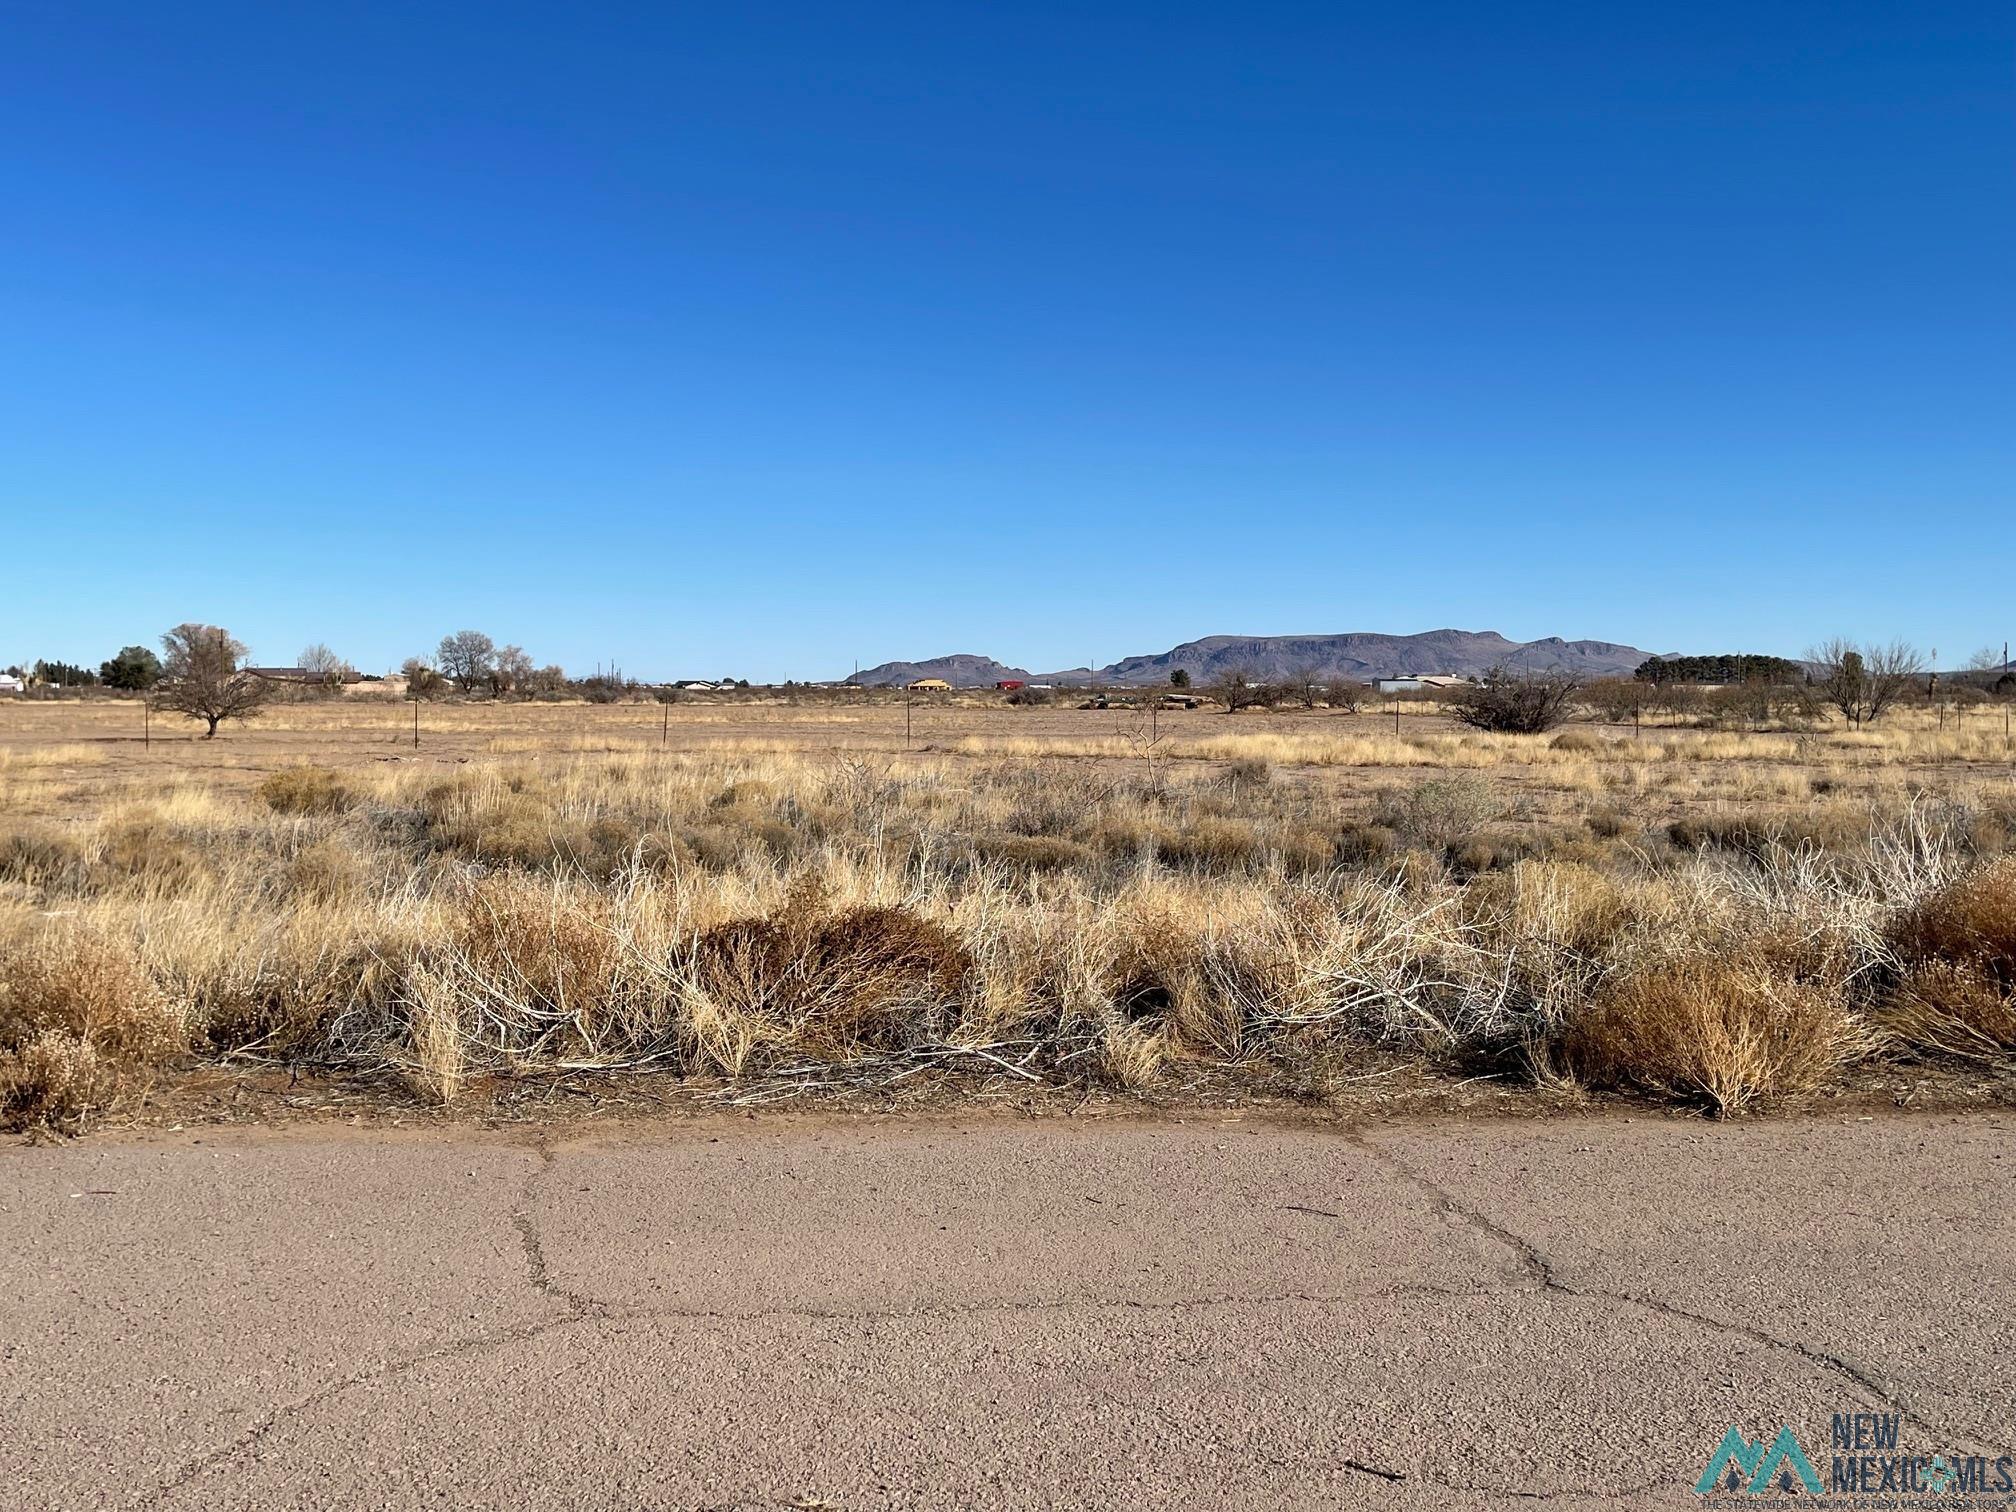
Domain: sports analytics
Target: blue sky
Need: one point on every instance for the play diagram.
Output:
(756, 338)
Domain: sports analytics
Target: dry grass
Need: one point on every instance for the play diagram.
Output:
(1728, 1028)
(1713, 916)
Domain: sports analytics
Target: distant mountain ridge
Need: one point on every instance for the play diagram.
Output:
(1361, 654)
(962, 671)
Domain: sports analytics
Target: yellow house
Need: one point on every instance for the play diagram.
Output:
(930, 685)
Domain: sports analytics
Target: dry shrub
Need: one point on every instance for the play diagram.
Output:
(1970, 922)
(1213, 843)
(43, 857)
(146, 847)
(1952, 1010)
(538, 948)
(1958, 947)
(55, 1081)
(78, 1014)
(328, 872)
(1364, 844)
(1300, 851)
(829, 981)
(1442, 811)
(306, 790)
(1033, 852)
(64, 977)
(1581, 742)
(438, 1066)
(1729, 1028)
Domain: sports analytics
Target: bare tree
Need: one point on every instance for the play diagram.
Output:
(1236, 689)
(1344, 693)
(511, 671)
(1305, 685)
(1515, 703)
(467, 658)
(324, 667)
(1864, 681)
(203, 676)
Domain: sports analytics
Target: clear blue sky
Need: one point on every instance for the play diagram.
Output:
(758, 337)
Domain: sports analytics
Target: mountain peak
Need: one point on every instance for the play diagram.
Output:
(1361, 654)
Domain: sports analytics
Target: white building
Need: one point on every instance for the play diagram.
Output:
(1419, 682)
(9, 683)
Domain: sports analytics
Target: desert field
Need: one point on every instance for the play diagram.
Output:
(764, 900)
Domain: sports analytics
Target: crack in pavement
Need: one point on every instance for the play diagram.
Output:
(577, 1309)
(541, 1273)
(1537, 1269)
(251, 1437)
(1545, 1275)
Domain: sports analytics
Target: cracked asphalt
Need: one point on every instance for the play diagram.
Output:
(880, 1313)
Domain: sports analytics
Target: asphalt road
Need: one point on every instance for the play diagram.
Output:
(991, 1314)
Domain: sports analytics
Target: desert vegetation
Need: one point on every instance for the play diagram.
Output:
(1715, 918)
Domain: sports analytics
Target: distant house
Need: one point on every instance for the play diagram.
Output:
(930, 685)
(296, 675)
(9, 683)
(696, 687)
(1008, 685)
(1418, 682)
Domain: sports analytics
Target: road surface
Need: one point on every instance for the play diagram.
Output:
(1056, 1313)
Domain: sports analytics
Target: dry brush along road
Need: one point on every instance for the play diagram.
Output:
(811, 1313)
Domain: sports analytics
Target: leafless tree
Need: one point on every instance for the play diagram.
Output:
(1344, 693)
(1508, 702)
(1865, 681)
(467, 659)
(203, 676)
(324, 667)
(1237, 689)
(511, 671)
(1305, 685)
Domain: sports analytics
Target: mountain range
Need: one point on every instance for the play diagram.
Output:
(1363, 655)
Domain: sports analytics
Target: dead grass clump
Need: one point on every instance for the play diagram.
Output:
(78, 1014)
(328, 872)
(1037, 852)
(1442, 812)
(43, 857)
(65, 977)
(1364, 844)
(1958, 948)
(1212, 843)
(1969, 922)
(831, 982)
(55, 1081)
(1726, 1028)
(147, 848)
(1952, 1010)
(306, 790)
(540, 953)
(1581, 742)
